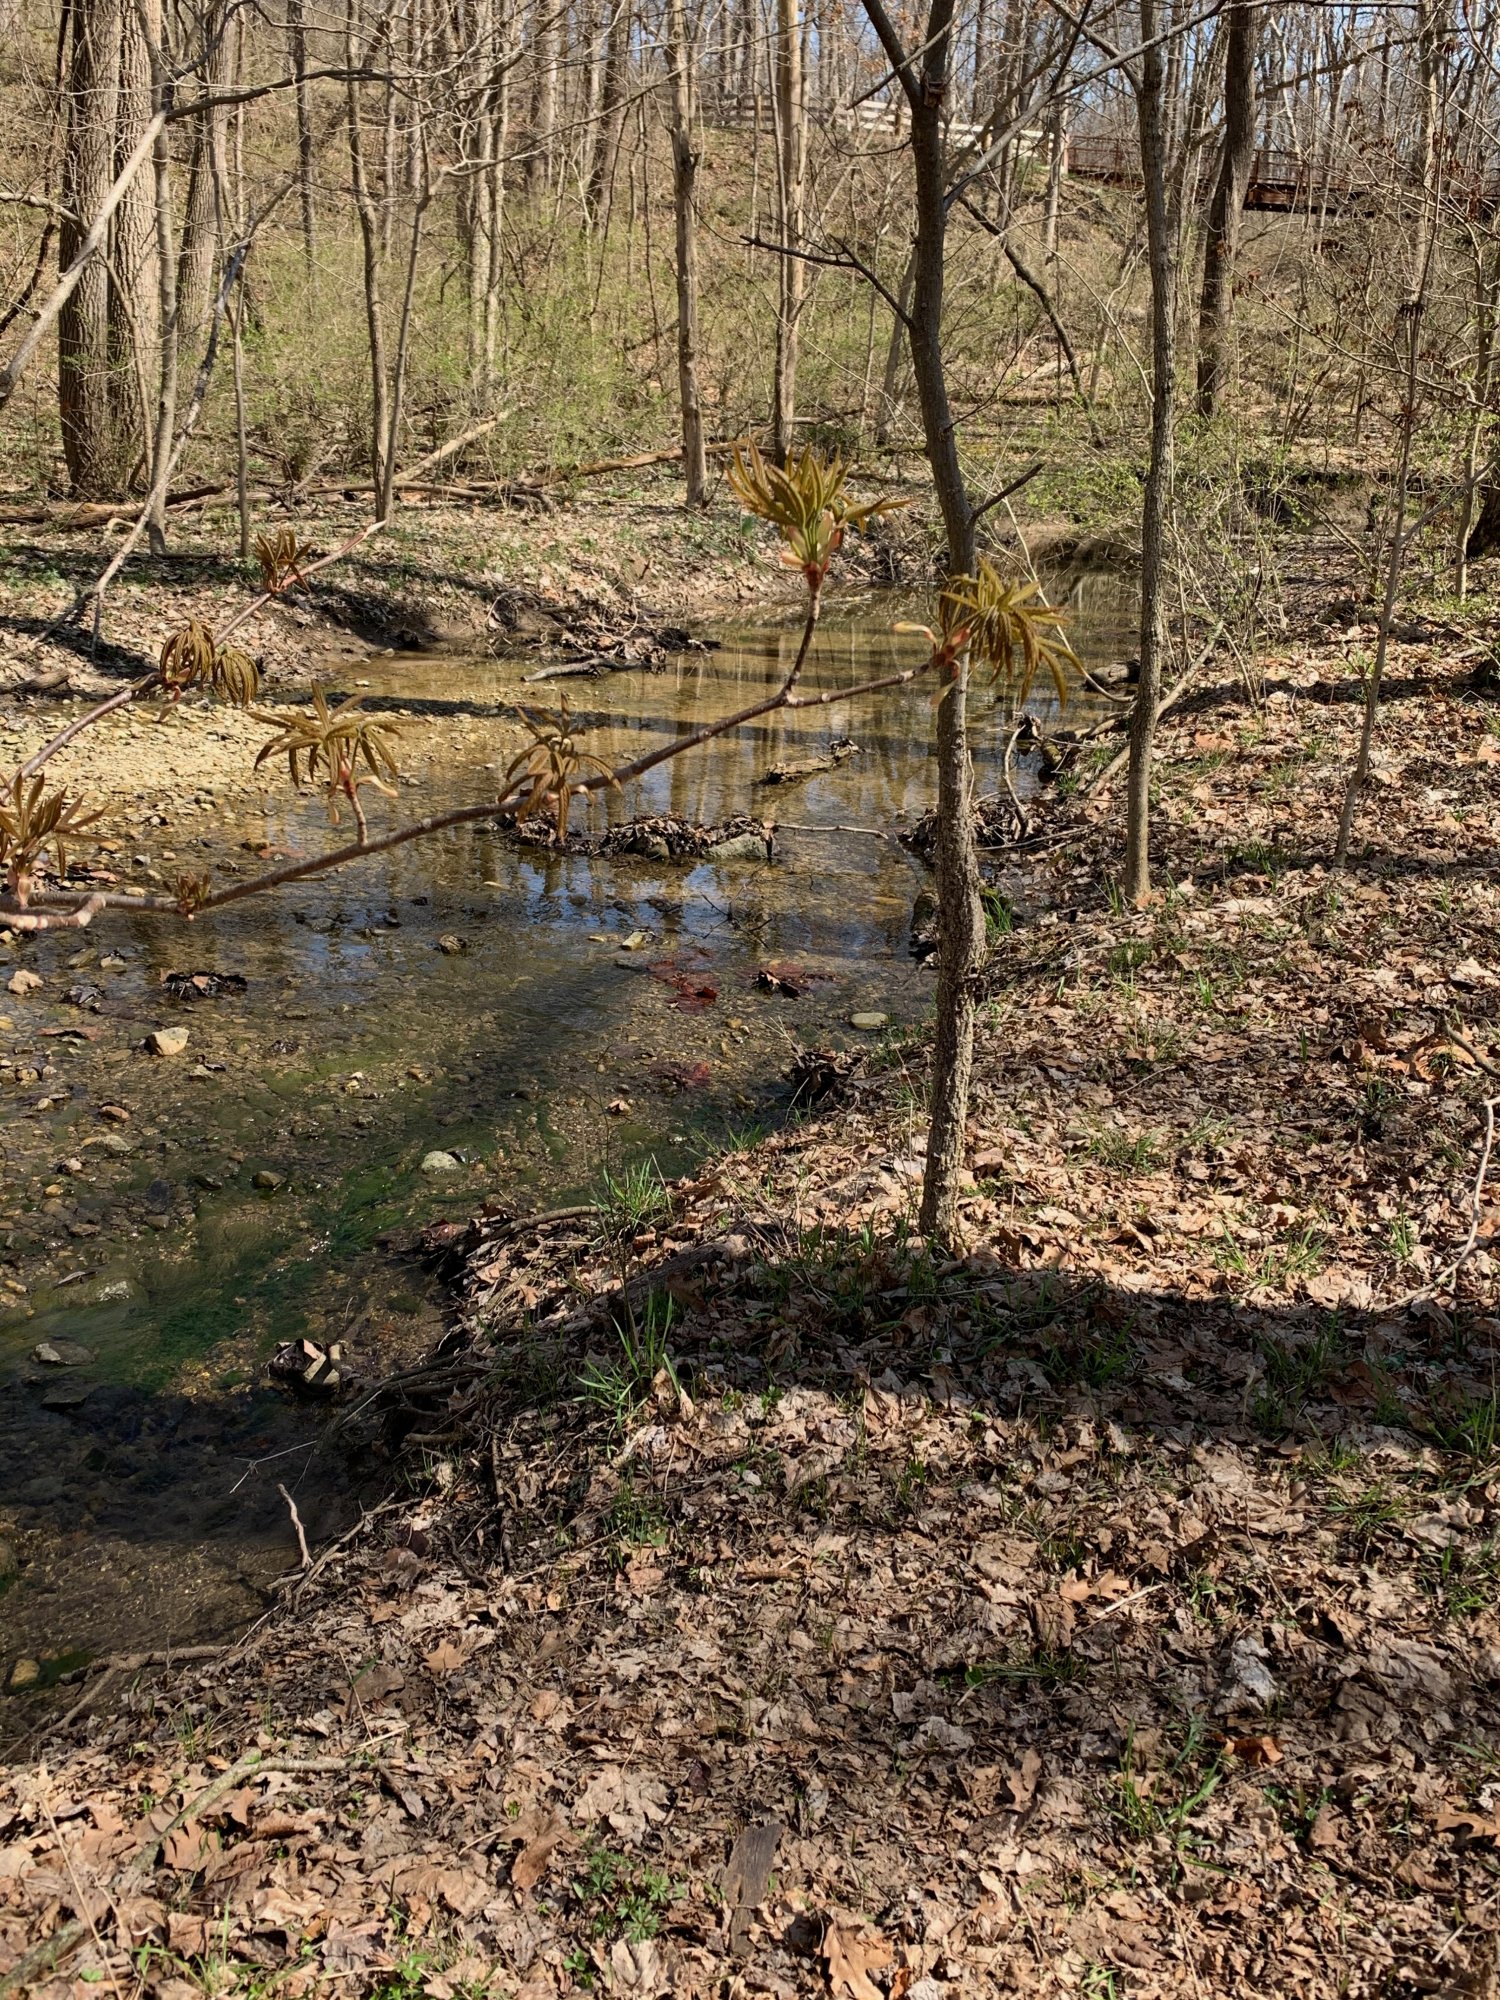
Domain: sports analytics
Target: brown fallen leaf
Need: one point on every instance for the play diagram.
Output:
(445, 1658)
(188, 1847)
(1256, 1749)
(850, 1959)
(1466, 1826)
(374, 1684)
(1022, 1782)
(539, 1832)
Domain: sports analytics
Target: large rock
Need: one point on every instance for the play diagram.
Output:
(739, 847)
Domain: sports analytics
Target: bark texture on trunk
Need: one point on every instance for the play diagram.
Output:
(135, 315)
(790, 156)
(297, 33)
(961, 918)
(684, 194)
(91, 442)
(1161, 247)
(611, 109)
(108, 325)
(1216, 303)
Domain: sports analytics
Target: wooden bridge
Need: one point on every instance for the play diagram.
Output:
(1279, 179)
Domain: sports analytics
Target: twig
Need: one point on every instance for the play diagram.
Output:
(1449, 1272)
(291, 1507)
(1023, 818)
(807, 826)
(1476, 1199)
(978, 513)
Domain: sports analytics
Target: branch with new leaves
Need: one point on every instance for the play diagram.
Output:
(339, 750)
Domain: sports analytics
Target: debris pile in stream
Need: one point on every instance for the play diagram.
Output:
(658, 837)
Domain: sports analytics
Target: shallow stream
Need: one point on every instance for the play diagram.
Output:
(178, 1217)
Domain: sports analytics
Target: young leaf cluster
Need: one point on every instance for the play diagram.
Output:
(330, 746)
(32, 820)
(192, 657)
(1008, 628)
(806, 501)
(281, 557)
(550, 764)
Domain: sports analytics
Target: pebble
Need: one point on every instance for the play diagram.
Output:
(441, 1163)
(62, 1353)
(450, 944)
(24, 1674)
(869, 1022)
(267, 1180)
(22, 982)
(167, 1041)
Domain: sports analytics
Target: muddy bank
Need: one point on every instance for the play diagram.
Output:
(611, 575)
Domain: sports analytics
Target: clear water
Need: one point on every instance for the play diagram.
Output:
(359, 1046)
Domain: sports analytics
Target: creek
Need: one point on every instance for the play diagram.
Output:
(166, 1222)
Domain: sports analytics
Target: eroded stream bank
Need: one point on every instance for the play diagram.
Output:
(540, 1020)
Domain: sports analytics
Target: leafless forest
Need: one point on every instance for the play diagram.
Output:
(303, 248)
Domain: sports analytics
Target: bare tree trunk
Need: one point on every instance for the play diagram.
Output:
(1216, 305)
(241, 449)
(1411, 314)
(684, 179)
(92, 443)
(1057, 153)
(1480, 415)
(201, 218)
(961, 918)
(891, 379)
(166, 275)
(370, 239)
(791, 152)
(1161, 256)
(392, 448)
(611, 109)
(297, 29)
(135, 298)
(545, 39)
(494, 193)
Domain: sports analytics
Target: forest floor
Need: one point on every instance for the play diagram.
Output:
(769, 1607)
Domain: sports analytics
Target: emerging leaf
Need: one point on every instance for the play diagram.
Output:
(281, 557)
(1008, 627)
(330, 746)
(192, 657)
(549, 765)
(807, 502)
(32, 820)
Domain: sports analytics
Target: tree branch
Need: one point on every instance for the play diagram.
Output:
(844, 259)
